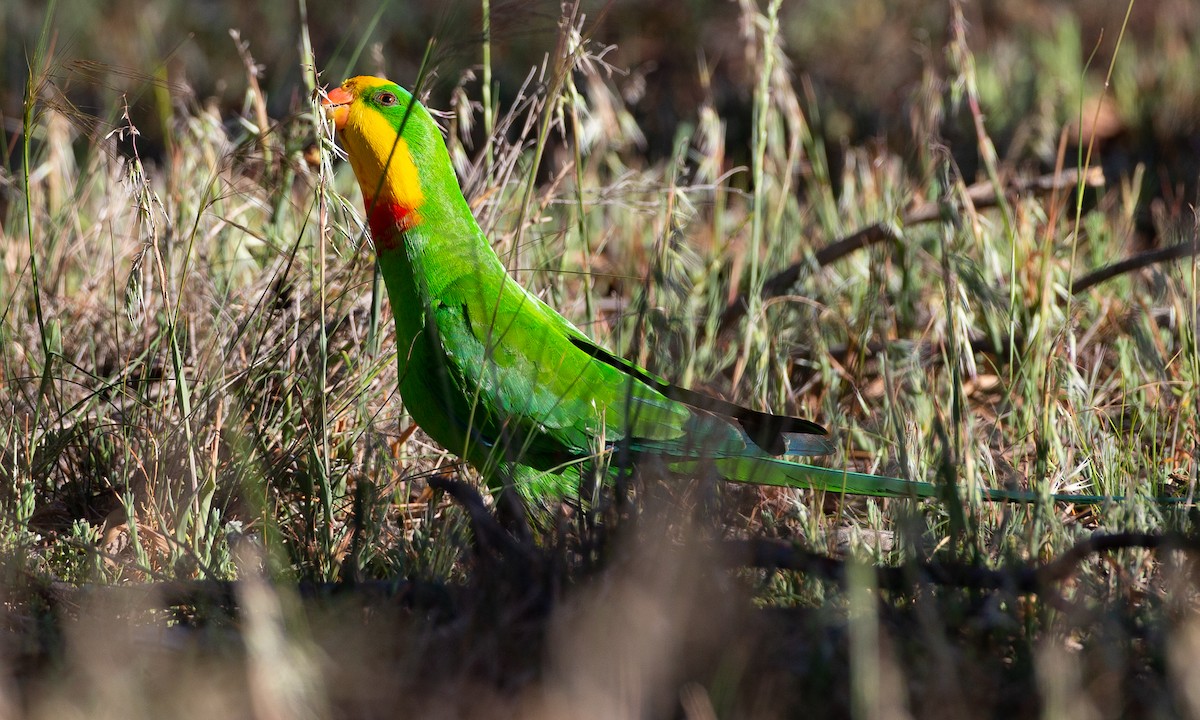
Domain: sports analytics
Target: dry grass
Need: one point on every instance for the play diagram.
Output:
(198, 391)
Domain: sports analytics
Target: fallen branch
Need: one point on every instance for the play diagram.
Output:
(756, 553)
(981, 195)
(1137, 262)
(225, 593)
(1021, 579)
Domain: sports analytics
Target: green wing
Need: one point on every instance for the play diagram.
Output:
(534, 391)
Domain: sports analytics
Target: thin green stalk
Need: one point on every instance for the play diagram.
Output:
(557, 78)
(1084, 161)
(489, 115)
(580, 211)
(199, 502)
(375, 321)
(762, 108)
(36, 69)
(863, 629)
(324, 480)
(960, 55)
(364, 37)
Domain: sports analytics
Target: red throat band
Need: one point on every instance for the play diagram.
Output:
(388, 221)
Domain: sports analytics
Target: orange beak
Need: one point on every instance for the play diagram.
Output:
(337, 106)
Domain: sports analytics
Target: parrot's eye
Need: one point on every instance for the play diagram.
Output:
(386, 99)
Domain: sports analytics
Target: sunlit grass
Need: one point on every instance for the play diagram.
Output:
(199, 381)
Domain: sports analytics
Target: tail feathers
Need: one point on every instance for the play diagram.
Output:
(762, 469)
(782, 473)
(807, 444)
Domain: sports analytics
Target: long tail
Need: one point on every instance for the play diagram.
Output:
(783, 473)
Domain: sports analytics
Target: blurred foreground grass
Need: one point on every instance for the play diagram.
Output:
(199, 375)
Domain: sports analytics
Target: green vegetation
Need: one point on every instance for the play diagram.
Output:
(199, 391)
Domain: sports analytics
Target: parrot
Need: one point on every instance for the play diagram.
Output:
(498, 377)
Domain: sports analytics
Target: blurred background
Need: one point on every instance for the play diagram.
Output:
(863, 66)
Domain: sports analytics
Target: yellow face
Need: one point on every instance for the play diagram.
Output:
(367, 112)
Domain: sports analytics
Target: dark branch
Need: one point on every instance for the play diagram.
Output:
(773, 554)
(1137, 262)
(755, 553)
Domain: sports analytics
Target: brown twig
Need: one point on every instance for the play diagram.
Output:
(1136, 262)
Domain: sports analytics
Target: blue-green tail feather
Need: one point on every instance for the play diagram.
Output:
(784, 473)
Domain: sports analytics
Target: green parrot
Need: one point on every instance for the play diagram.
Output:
(498, 377)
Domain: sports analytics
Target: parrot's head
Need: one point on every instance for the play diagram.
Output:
(393, 145)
